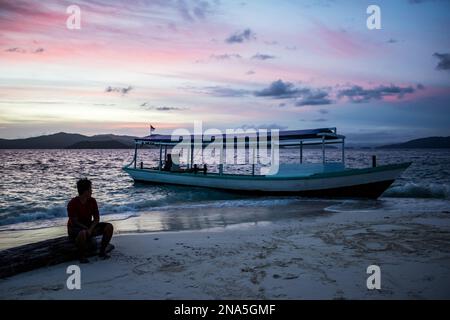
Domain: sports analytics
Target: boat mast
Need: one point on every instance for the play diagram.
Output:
(221, 162)
(160, 157)
(165, 153)
(323, 149)
(253, 161)
(192, 155)
(135, 154)
(301, 151)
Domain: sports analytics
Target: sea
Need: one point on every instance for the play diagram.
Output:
(36, 186)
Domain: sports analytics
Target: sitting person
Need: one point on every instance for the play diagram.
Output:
(168, 164)
(84, 221)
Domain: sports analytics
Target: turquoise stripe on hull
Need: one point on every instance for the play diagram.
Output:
(347, 172)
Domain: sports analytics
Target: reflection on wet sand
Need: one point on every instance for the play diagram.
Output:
(206, 215)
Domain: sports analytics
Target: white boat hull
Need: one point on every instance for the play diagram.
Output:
(351, 183)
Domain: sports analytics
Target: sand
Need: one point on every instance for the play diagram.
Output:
(320, 256)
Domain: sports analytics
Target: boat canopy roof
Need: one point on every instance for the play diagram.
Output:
(285, 137)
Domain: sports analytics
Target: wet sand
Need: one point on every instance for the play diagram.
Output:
(204, 215)
(323, 253)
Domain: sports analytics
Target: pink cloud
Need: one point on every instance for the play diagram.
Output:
(427, 92)
(119, 34)
(23, 16)
(339, 43)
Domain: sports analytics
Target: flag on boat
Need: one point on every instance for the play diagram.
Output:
(151, 129)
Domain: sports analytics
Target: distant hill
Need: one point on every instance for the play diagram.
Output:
(423, 143)
(106, 144)
(64, 140)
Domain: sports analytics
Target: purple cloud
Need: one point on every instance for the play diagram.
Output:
(261, 56)
(358, 94)
(444, 61)
(240, 37)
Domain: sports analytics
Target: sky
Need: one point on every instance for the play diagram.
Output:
(231, 64)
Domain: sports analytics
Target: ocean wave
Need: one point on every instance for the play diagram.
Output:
(366, 205)
(57, 215)
(43, 216)
(415, 190)
(38, 214)
(18, 225)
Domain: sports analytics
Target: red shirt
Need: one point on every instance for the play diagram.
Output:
(84, 212)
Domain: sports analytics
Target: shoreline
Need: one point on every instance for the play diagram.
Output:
(188, 217)
(322, 255)
(211, 214)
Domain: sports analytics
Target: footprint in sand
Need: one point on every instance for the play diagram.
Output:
(143, 268)
(53, 288)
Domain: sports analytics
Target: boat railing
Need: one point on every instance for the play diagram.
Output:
(300, 139)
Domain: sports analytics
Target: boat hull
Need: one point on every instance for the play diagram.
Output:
(350, 183)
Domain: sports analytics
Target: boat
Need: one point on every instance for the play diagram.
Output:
(326, 179)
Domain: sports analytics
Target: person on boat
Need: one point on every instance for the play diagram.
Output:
(84, 221)
(168, 164)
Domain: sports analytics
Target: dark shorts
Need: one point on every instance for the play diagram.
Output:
(98, 230)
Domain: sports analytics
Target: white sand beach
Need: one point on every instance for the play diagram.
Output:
(314, 256)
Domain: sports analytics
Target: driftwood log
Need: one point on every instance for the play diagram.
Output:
(41, 254)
